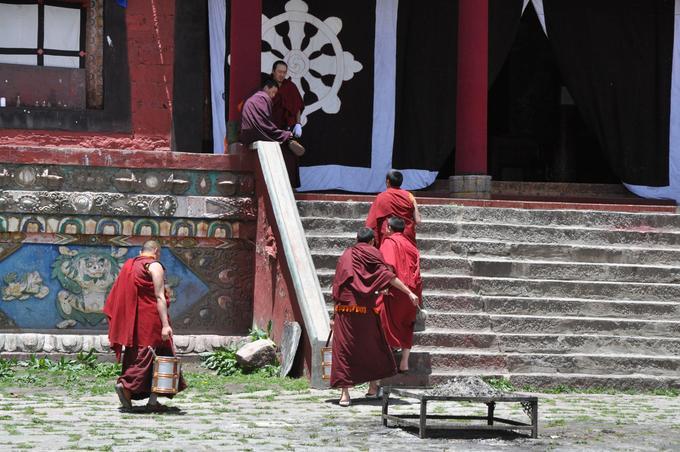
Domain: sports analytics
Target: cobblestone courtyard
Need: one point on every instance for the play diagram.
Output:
(213, 419)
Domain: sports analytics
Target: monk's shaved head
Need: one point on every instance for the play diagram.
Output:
(150, 246)
(395, 178)
(396, 224)
(365, 235)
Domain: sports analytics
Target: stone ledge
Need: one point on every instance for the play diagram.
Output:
(474, 186)
(74, 343)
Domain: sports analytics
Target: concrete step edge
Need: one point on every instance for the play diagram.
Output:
(561, 317)
(672, 231)
(447, 332)
(474, 259)
(435, 350)
(445, 373)
(641, 247)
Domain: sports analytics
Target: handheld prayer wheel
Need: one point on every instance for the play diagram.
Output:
(166, 371)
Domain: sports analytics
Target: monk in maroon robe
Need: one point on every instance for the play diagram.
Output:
(257, 124)
(393, 202)
(286, 112)
(360, 351)
(397, 313)
(137, 310)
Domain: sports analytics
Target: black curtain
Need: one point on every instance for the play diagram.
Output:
(615, 57)
(343, 138)
(504, 16)
(425, 124)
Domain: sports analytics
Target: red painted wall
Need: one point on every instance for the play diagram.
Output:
(274, 298)
(150, 32)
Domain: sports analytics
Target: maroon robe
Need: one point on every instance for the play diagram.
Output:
(286, 105)
(360, 351)
(134, 323)
(397, 313)
(256, 121)
(393, 202)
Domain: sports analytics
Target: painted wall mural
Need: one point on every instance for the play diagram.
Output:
(47, 287)
(66, 230)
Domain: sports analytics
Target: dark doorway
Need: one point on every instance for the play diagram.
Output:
(536, 133)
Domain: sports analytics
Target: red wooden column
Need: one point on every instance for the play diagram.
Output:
(472, 89)
(244, 69)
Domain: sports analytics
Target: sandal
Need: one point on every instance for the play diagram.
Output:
(378, 394)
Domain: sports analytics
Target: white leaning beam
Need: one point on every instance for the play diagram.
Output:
(296, 250)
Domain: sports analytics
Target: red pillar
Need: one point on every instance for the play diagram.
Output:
(244, 69)
(472, 89)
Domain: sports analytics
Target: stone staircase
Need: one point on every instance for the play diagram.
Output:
(583, 298)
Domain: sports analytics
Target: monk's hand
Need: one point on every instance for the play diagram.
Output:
(414, 298)
(166, 333)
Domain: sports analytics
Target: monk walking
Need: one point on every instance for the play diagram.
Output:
(393, 202)
(137, 310)
(360, 351)
(397, 312)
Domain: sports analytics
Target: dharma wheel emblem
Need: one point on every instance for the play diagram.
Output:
(317, 64)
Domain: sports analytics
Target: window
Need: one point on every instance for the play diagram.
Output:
(43, 33)
(64, 87)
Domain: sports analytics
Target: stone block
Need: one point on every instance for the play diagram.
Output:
(256, 354)
(470, 186)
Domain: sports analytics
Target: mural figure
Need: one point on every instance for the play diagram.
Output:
(86, 277)
(24, 287)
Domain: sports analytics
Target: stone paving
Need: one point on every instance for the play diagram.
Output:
(310, 420)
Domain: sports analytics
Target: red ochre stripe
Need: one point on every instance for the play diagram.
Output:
(127, 158)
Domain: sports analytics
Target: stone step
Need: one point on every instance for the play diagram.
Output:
(509, 232)
(485, 248)
(457, 213)
(553, 288)
(613, 254)
(434, 281)
(443, 359)
(324, 260)
(437, 285)
(501, 267)
(638, 382)
(548, 343)
(551, 307)
(552, 324)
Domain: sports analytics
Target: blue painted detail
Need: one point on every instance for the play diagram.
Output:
(78, 279)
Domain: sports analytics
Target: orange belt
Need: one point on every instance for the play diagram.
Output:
(349, 309)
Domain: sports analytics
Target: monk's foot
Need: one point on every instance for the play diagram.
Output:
(403, 371)
(123, 396)
(345, 402)
(296, 148)
(157, 407)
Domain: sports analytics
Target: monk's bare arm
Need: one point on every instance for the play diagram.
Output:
(416, 213)
(158, 277)
(397, 284)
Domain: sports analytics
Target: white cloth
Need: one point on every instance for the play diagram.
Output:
(538, 7)
(217, 15)
(671, 191)
(372, 180)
